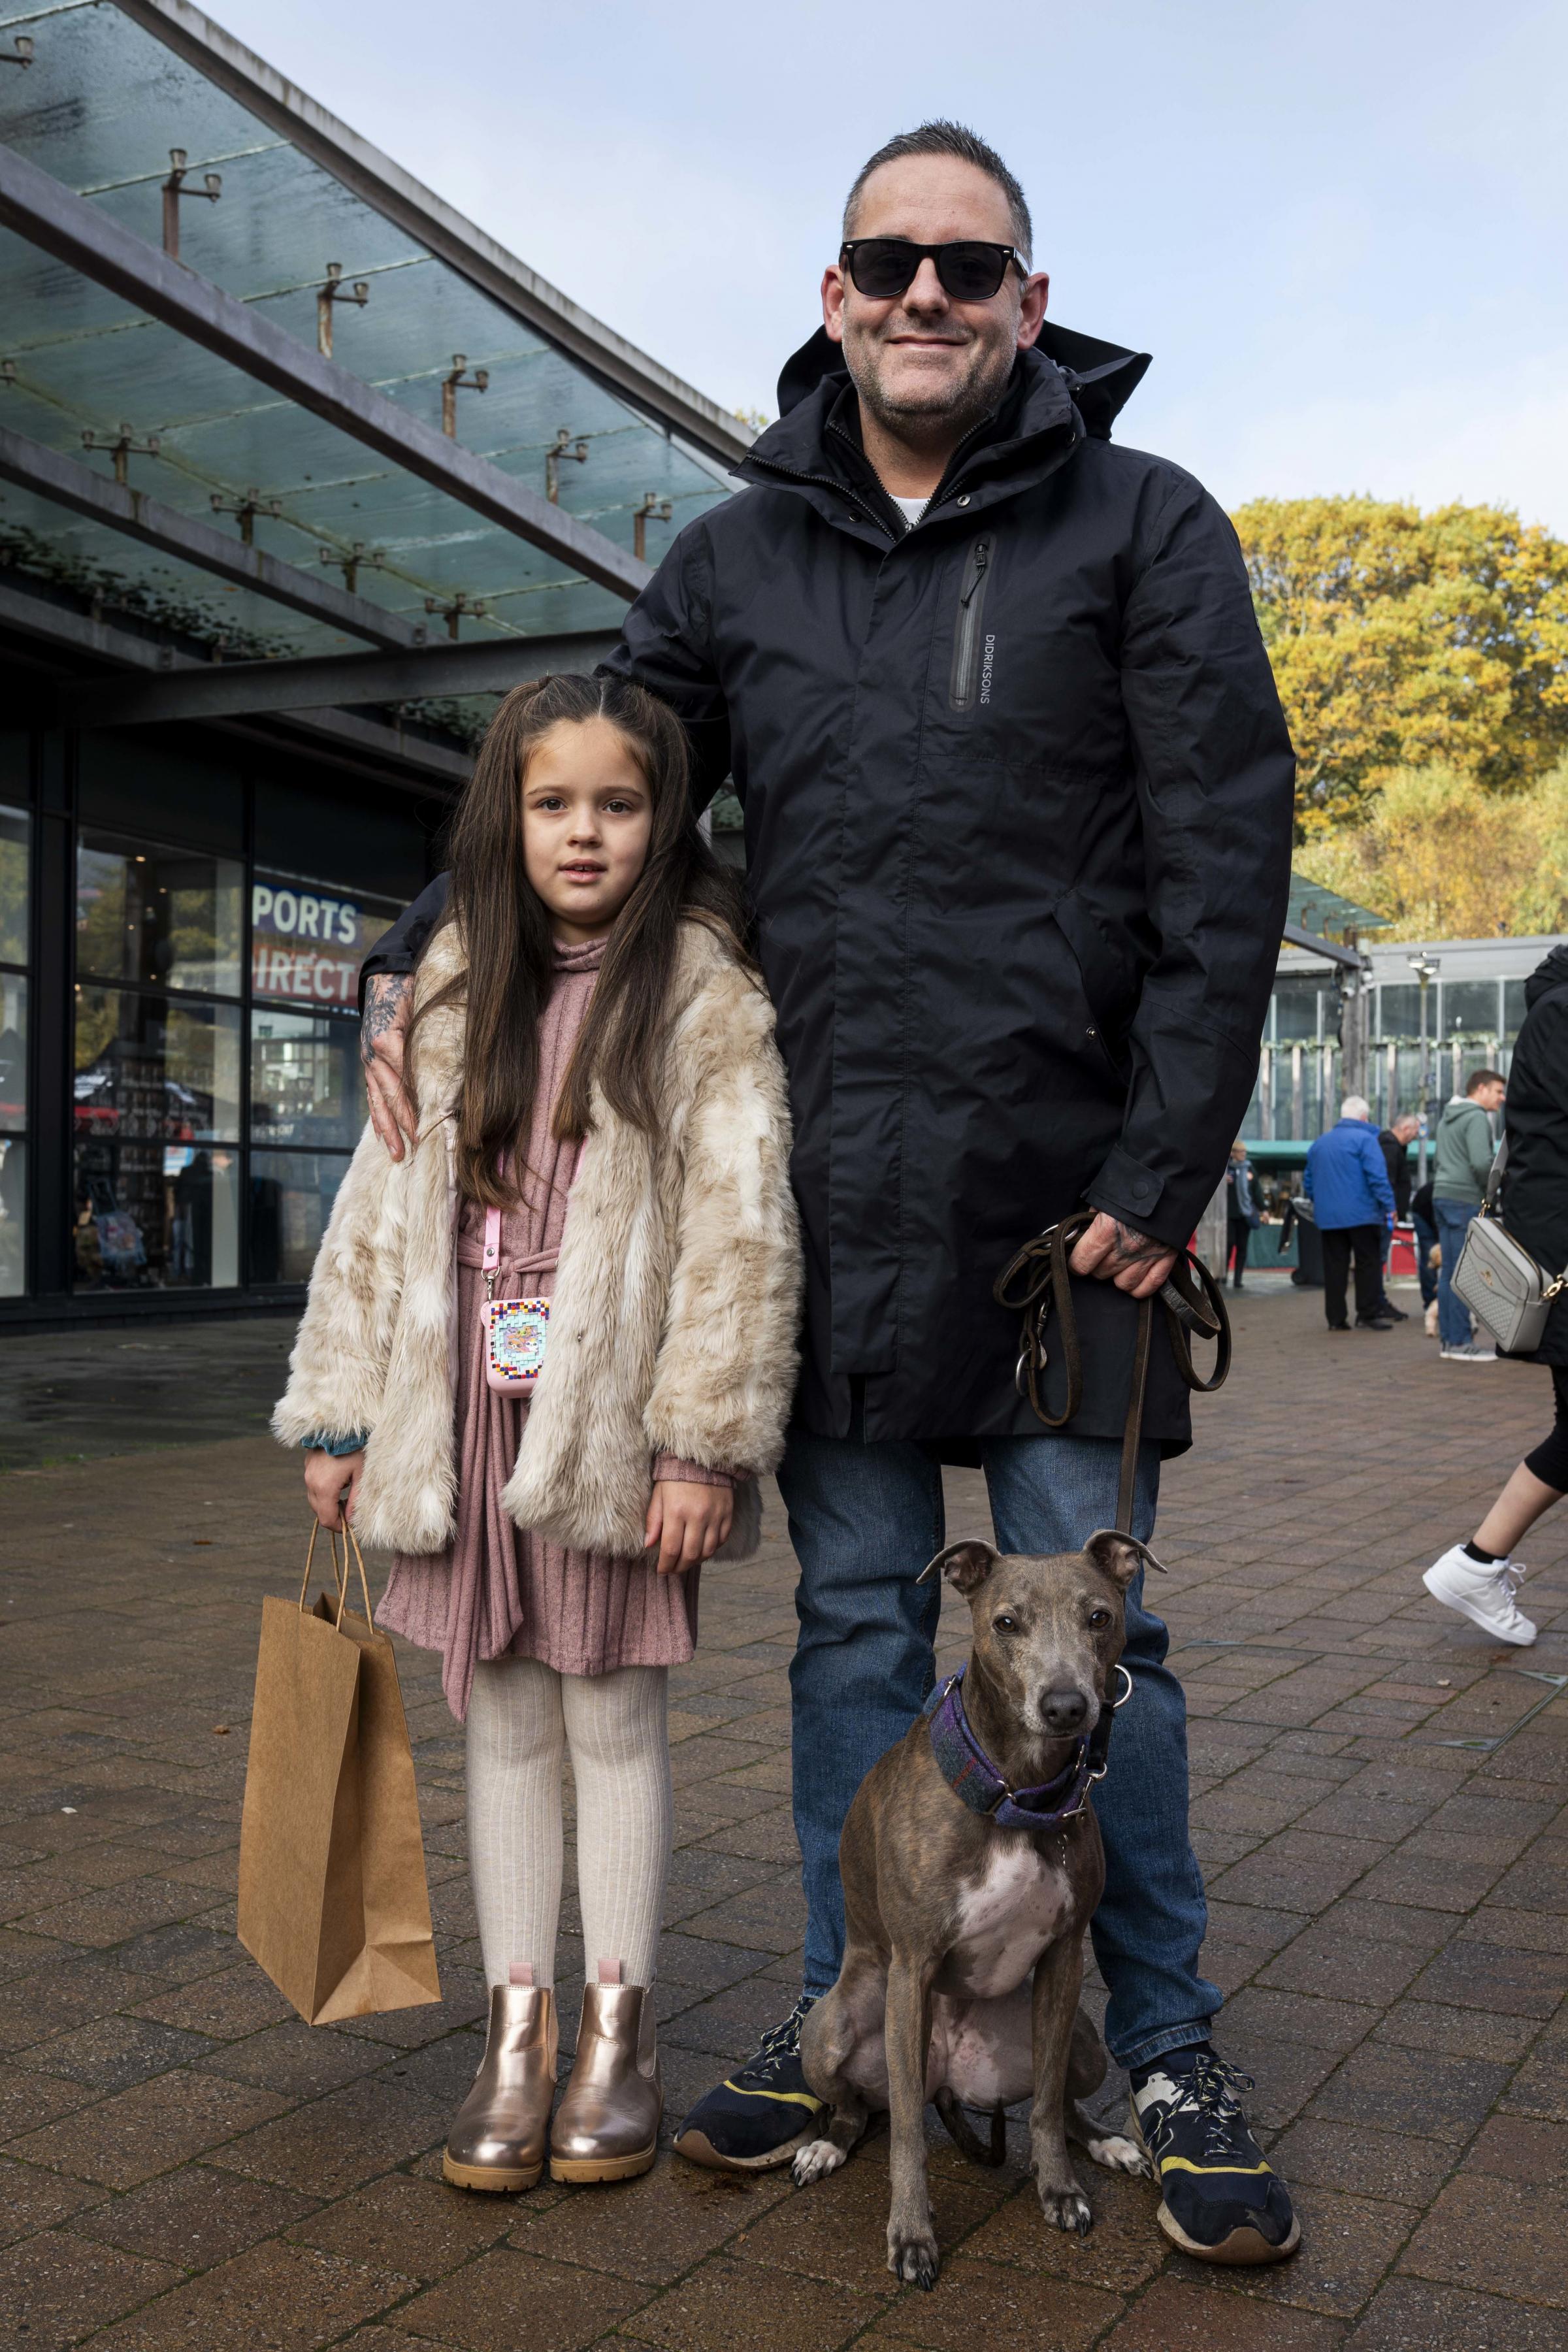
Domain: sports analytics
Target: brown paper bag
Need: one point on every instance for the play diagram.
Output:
(333, 1895)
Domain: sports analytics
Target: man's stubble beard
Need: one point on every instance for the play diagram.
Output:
(935, 415)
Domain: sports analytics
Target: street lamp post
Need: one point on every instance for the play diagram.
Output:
(1426, 969)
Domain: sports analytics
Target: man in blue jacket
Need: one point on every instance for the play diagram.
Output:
(1347, 1182)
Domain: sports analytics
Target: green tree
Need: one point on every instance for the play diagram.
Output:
(1443, 859)
(1405, 640)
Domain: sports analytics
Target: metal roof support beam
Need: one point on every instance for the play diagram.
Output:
(398, 197)
(35, 468)
(1349, 959)
(231, 690)
(49, 214)
(58, 626)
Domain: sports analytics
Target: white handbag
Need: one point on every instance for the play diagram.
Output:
(1498, 1280)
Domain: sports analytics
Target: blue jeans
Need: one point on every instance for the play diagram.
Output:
(1453, 1316)
(864, 1521)
(1425, 1243)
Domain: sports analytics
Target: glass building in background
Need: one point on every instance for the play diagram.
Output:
(295, 481)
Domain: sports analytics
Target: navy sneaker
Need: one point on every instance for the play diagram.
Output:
(761, 2113)
(1221, 2199)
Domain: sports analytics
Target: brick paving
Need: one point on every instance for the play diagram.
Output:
(186, 2165)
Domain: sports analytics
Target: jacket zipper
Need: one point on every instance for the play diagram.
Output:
(967, 640)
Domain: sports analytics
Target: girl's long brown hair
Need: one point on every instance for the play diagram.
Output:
(507, 938)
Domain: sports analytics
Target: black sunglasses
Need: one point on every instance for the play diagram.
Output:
(971, 271)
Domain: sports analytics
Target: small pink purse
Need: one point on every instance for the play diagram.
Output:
(515, 1328)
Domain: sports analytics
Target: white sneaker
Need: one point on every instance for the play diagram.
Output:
(1431, 1324)
(1472, 1352)
(1485, 1595)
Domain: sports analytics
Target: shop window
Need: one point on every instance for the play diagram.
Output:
(1399, 1010)
(1296, 1010)
(170, 917)
(156, 1200)
(307, 943)
(14, 865)
(1513, 1008)
(307, 1082)
(15, 845)
(154, 1216)
(292, 1196)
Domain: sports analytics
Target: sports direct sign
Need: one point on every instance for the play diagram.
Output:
(307, 948)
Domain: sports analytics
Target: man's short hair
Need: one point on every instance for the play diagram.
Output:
(942, 138)
(1356, 1107)
(1484, 1078)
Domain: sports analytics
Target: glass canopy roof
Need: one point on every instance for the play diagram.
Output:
(1325, 913)
(100, 107)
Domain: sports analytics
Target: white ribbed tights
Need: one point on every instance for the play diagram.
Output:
(523, 1717)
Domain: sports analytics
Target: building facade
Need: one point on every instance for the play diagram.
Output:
(296, 479)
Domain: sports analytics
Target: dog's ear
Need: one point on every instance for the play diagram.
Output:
(1117, 1556)
(966, 1565)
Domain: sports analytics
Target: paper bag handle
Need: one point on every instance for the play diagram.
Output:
(340, 1573)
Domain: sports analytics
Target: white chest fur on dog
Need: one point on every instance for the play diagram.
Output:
(1005, 1920)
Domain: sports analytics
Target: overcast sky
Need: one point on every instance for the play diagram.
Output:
(1337, 225)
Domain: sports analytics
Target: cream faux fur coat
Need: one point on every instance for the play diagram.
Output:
(674, 1307)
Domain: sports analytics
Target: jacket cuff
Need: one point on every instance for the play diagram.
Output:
(1125, 1188)
(319, 1443)
(690, 1474)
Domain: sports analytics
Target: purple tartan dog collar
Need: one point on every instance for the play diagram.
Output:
(970, 1773)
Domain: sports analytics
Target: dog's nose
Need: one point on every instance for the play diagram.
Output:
(1064, 1710)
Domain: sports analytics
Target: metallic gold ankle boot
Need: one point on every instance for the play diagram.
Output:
(607, 2127)
(499, 2139)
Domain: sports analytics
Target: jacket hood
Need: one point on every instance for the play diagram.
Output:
(1550, 972)
(1455, 1107)
(1100, 378)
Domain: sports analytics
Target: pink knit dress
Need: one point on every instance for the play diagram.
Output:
(498, 1590)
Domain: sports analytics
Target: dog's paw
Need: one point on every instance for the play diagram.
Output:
(1066, 2209)
(814, 2161)
(1118, 2154)
(913, 2255)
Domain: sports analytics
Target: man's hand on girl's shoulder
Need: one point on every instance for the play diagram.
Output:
(383, 1034)
(688, 1523)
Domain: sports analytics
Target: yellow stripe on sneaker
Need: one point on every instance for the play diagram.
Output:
(784, 2098)
(1184, 2164)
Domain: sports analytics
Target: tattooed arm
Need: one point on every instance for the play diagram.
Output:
(383, 1029)
(1118, 1253)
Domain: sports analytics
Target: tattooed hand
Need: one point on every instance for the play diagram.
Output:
(1116, 1253)
(388, 1002)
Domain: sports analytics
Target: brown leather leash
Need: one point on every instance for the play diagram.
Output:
(1037, 1279)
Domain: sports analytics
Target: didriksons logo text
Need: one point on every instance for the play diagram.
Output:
(986, 669)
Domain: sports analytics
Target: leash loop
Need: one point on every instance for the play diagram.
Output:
(1037, 1279)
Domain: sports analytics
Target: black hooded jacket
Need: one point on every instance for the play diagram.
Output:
(1018, 795)
(1535, 1189)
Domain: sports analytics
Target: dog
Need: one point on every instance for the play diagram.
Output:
(972, 1864)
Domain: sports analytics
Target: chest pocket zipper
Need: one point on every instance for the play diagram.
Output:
(968, 642)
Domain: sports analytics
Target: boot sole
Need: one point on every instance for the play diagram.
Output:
(495, 2180)
(1476, 1616)
(697, 2148)
(1245, 2249)
(582, 2168)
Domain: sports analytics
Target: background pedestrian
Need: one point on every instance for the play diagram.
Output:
(1243, 1210)
(1346, 1179)
(1394, 1143)
(1480, 1578)
(1462, 1163)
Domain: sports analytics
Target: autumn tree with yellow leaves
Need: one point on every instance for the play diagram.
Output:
(1403, 641)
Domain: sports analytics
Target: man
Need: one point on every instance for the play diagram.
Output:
(1461, 1165)
(1018, 795)
(1243, 1210)
(1347, 1183)
(1395, 1142)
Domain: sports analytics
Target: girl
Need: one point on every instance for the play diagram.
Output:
(602, 1123)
